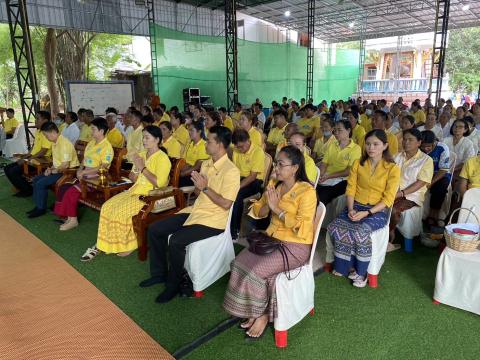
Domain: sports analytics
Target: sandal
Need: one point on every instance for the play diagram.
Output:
(354, 276)
(90, 254)
(360, 282)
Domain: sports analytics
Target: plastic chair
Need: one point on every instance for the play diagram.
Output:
(209, 259)
(334, 209)
(379, 239)
(317, 178)
(471, 200)
(410, 226)
(295, 297)
(17, 144)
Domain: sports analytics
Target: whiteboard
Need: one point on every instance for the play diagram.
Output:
(99, 95)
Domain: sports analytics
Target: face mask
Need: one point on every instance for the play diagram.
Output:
(327, 133)
(57, 122)
(368, 112)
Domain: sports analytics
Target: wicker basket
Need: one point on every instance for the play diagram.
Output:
(460, 242)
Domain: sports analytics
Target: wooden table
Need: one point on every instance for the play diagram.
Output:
(95, 193)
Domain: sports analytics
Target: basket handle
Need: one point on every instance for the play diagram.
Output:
(454, 211)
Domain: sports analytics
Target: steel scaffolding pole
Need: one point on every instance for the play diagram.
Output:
(231, 53)
(440, 46)
(23, 58)
(361, 56)
(152, 31)
(310, 50)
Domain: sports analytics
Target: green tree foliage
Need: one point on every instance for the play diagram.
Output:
(463, 60)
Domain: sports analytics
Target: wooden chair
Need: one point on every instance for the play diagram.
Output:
(80, 148)
(147, 214)
(35, 167)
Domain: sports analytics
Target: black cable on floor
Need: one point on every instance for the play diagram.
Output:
(220, 328)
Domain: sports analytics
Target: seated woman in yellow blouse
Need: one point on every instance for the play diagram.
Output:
(151, 169)
(291, 204)
(180, 131)
(325, 139)
(371, 189)
(173, 147)
(195, 154)
(98, 153)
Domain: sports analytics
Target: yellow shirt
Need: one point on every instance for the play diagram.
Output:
(281, 146)
(366, 123)
(64, 151)
(85, 133)
(471, 172)
(392, 144)
(181, 134)
(165, 117)
(358, 134)
(418, 167)
(9, 125)
(134, 142)
(115, 137)
(276, 135)
(236, 118)
(309, 126)
(196, 152)
(420, 117)
(370, 188)
(252, 161)
(338, 159)
(158, 164)
(173, 147)
(320, 146)
(223, 178)
(41, 142)
(299, 205)
(255, 137)
(228, 123)
(98, 154)
(62, 127)
(310, 168)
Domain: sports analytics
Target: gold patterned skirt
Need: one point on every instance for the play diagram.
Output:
(115, 229)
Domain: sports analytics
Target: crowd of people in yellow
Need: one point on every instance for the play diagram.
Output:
(383, 159)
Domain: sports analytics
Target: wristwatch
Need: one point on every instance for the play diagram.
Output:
(205, 189)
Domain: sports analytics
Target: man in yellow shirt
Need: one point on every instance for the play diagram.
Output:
(277, 133)
(134, 139)
(379, 121)
(114, 136)
(470, 175)
(227, 120)
(86, 131)
(250, 160)
(64, 157)
(10, 124)
(42, 148)
(217, 185)
(418, 114)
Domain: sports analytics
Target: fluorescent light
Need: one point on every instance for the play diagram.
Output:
(287, 13)
(466, 7)
(352, 24)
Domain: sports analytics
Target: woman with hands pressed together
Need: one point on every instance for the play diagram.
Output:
(371, 188)
(291, 205)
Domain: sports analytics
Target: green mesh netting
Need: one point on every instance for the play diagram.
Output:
(265, 70)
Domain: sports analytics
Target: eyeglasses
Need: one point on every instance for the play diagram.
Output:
(281, 165)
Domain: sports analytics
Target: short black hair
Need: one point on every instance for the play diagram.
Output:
(174, 108)
(223, 135)
(111, 110)
(101, 124)
(469, 119)
(222, 109)
(137, 114)
(415, 132)
(89, 113)
(155, 132)
(215, 116)
(148, 119)
(45, 114)
(163, 106)
(240, 136)
(382, 113)
(428, 137)
(280, 113)
(80, 111)
(410, 119)
(10, 110)
(166, 124)
(310, 106)
(49, 126)
(466, 133)
(346, 124)
(180, 117)
(260, 106)
(73, 115)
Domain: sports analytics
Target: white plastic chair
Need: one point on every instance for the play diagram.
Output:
(410, 226)
(379, 239)
(295, 297)
(209, 259)
(471, 200)
(17, 144)
(334, 209)
(317, 178)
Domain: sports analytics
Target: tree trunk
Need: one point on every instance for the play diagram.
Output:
(50, 66)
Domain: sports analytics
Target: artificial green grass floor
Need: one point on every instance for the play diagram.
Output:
(395, 321)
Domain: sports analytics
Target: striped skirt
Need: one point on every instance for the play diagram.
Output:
(352, 241)
(251, 289)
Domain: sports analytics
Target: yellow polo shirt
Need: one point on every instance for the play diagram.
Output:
(392, 144)
(281, 146)
(255, 136)
(358, 134)
(174, 148)
(228, 123)
(276, 135)
(41, 142)
(158, 164)
(98, 154)
(9, 125)
(365, 122)
(338, 159)
(181, 134)
(62, 127)
(309, 126)
(299, 204)
(115, 137)
(369, 188)
(236, 118)
(252, 161)
(64, 151)
(471, 172)
(85, 133)
(310, 168)
(165, 117)
(196, 152)
(134, 142)
(223, 178)
(320, 146)
(419, 117)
